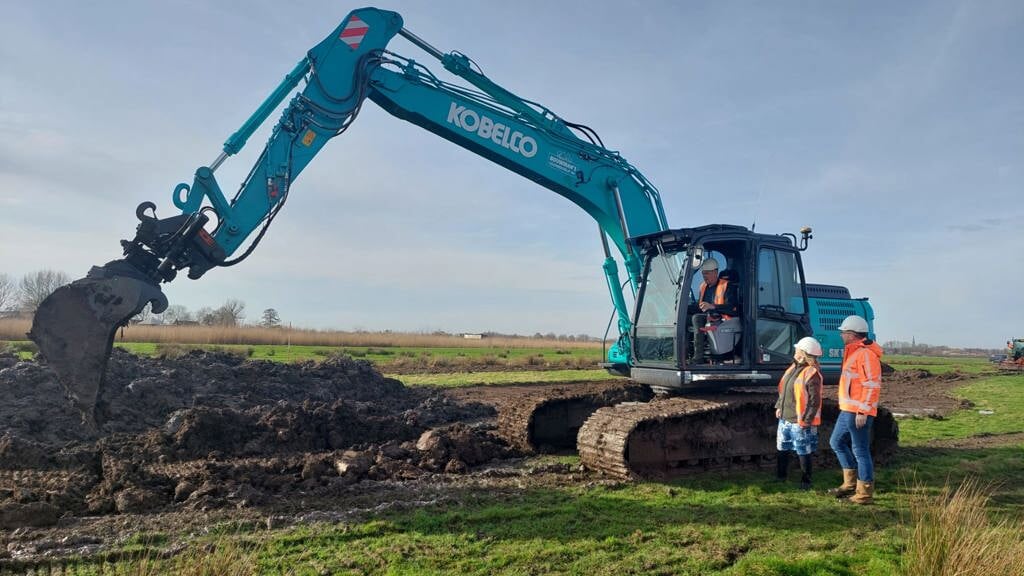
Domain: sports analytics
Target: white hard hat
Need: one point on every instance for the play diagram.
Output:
(854, 324)
(809, 346)
(709, 264)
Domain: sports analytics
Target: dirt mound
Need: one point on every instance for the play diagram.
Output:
(211, 429)
(919, 393)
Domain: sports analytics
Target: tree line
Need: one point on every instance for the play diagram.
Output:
(22, 297)
(27, 293)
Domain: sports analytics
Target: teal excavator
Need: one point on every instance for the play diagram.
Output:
(75, 326)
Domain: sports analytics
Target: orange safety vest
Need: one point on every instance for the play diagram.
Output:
(860, 384)
(800, 391)
(719, 294)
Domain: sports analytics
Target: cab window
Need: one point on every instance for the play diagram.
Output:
(656, 320)
(780, 305)
(779, 281)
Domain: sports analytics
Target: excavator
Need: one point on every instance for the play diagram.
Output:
(1014, 360)
(709, 411)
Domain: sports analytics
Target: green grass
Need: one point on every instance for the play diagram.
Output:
(457, 379)
(647, 528)
(940, 365)
(728, 524)
(1002, 395)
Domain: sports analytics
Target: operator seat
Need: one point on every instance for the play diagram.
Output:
(724, 339)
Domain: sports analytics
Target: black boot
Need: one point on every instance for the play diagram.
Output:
(782, 465)
(805, 469)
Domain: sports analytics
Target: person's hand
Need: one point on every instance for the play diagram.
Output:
(778, 412)
(705, 306)
(862, 419)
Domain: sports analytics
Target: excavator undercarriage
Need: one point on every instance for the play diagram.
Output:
(629, 435)
(685, 435)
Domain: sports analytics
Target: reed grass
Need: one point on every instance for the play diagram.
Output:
(951, 534)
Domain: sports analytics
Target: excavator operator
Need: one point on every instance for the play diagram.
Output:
(716, 303)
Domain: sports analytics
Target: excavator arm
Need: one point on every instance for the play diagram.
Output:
(75, 327)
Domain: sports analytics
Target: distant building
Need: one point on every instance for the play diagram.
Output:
(473, 336)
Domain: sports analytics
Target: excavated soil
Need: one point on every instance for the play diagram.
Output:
(920, 393)
(209, 430)
(209, 437)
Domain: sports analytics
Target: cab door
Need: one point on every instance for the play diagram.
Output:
(781, 313)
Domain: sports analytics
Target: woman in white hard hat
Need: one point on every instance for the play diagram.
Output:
(799, 410)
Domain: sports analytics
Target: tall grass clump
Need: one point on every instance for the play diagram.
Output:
(951, 534)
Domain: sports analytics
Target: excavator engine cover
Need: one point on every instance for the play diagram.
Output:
(75, 327)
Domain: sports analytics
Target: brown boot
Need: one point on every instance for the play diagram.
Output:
(865, 493)
(849, 485)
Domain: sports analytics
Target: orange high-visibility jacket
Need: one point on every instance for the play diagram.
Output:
(720, 289)
(861, 382)
(809, 374)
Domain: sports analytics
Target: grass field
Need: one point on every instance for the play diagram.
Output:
(998, 408)
(940, 365)
(729, 524)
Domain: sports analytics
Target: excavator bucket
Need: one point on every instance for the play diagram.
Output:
(75, 327)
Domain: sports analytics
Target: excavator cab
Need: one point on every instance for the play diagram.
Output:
(751, 346)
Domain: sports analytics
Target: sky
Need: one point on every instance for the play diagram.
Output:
(896, 130)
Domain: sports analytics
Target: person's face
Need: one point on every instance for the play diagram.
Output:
(710, 276)
(848, 336)
(799, 356)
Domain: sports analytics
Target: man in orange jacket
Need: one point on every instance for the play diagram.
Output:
(859, 389)
(717, 300)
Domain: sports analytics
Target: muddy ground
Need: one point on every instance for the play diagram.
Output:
(209, 437)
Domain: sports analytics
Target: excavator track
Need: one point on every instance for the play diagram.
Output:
(680, 436)
(548, 421)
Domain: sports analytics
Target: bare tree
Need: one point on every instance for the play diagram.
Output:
(230, 313)
(36, 286)
(176, 313)
(8, 291)
(204, 315)
(270, 318)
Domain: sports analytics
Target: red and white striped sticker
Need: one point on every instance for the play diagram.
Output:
(354, 32)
